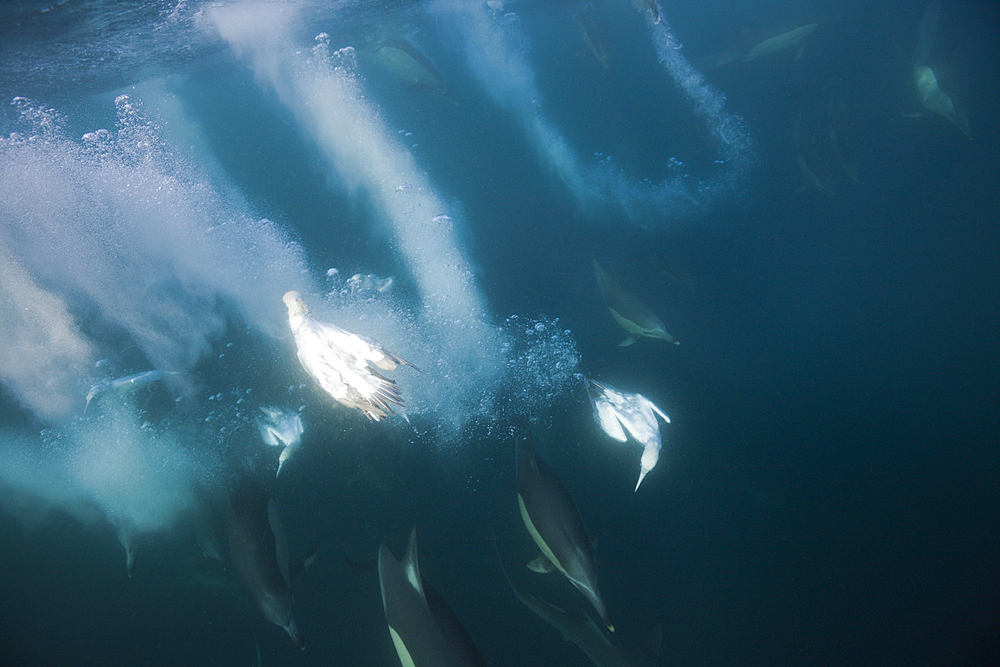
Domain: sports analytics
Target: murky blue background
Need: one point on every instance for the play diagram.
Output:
(827, 491)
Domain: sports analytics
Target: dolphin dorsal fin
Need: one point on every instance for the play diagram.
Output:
(410, 565)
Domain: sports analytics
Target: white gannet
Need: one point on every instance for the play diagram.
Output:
(281, 429)
(343, 363)
(614, 409)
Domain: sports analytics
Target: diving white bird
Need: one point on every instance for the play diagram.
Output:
(344, 363)
(281, 429)
(614, 409)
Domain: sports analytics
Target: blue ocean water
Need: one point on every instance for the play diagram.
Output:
(823, 246)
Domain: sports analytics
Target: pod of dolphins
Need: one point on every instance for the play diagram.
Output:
(240, 525)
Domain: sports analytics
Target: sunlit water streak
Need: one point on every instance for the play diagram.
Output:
(496, 52)
(450, 335)
(120, 239)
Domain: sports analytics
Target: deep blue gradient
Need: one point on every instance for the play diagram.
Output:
(829, 487)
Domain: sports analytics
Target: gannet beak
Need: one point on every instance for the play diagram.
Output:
(642, 474)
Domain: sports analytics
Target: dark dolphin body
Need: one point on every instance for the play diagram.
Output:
(628, 311)
(424, 630)
(550, 515)
(574, 625)
(259, 553)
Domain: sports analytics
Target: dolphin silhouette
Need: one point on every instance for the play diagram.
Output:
(551, 517)
(628, 311)
(259, 553)
(424, 630)
(575, 626)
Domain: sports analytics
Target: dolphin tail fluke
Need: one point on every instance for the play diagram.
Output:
(293, 632)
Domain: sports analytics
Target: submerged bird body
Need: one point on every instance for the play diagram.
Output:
(281, 429)
(343, 363)
(615, 409)
(127, 384)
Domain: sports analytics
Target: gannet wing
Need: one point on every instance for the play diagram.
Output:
(601, 396)
(656, 409)
(268, 434)
(359, 346)
(383, 390)
(610, 420)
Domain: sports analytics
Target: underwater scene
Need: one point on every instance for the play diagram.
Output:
(507, 332)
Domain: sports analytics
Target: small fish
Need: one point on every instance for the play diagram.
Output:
(125, 385)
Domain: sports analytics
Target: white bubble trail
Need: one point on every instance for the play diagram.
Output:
(496, 51)
(458, 346)
(117, 232)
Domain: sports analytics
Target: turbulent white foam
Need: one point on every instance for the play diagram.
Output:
(118, 227)
(496, 53)
(117, 467)
(537, 365)
(43, 348)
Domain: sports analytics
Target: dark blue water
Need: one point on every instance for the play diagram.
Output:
(827, 490)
